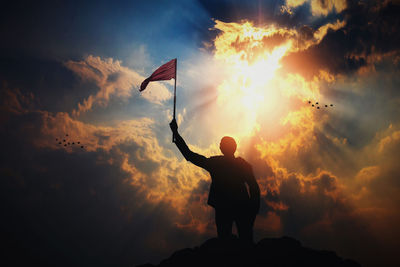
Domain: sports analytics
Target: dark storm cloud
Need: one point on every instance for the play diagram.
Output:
(87, 209)
(377, 105)
(140, 160)
(70, 30)
(259, 12)
(308, 201)
(55, 87)
(371, 31)
(316, 211)
(48, 27)
(235, 10)
(61, 208)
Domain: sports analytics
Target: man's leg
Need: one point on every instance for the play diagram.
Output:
(244, 223)
(223, 220)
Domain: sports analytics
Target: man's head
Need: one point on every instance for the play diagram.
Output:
(227, 146)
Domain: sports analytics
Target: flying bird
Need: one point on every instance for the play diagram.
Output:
(317, 104)
(67, 142)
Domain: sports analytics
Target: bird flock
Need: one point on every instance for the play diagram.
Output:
(65, 142)
(318, 106)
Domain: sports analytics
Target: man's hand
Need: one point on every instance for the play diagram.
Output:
(174, 126)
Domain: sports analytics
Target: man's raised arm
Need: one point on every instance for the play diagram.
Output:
(189, 155)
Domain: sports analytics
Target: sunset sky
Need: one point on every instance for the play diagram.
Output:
(246, 69)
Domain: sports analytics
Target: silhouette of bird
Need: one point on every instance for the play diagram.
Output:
(65, 141)
(316, 104)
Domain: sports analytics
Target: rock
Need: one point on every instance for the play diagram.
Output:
(284, 251)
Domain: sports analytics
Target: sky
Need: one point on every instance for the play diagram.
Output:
(329, 176)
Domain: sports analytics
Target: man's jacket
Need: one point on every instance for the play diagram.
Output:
(233, 185)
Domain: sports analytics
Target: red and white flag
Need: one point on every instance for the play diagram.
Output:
(165, 72)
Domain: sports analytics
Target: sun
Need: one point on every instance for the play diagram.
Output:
(251, 88)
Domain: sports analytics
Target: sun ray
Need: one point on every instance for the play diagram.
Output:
(256, 90)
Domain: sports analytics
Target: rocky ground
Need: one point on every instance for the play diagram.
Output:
(284, 251)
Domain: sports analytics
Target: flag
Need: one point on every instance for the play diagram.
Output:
(165, 72)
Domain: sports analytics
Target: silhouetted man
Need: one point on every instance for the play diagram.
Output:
(229, 195)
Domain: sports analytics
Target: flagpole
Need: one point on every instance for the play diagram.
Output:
(176, 75)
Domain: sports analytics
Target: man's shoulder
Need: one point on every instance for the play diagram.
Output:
(243, 162)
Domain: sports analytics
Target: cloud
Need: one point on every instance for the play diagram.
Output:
(112, 79)
(377, 182)
(15, 101)
(357, 38)
(245, 42)
(312, 204)
(117, 201)
(309, 201)
(233, 10)
(388, 141)
(329, 178)
(260, 13)
(85, 204)
(368, 36)
(376, 191)
(322, 7)
(318, 7)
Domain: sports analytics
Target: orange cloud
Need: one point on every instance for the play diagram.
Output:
(160, 176)
(323, 7)
(112, 79)
(318, 7)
